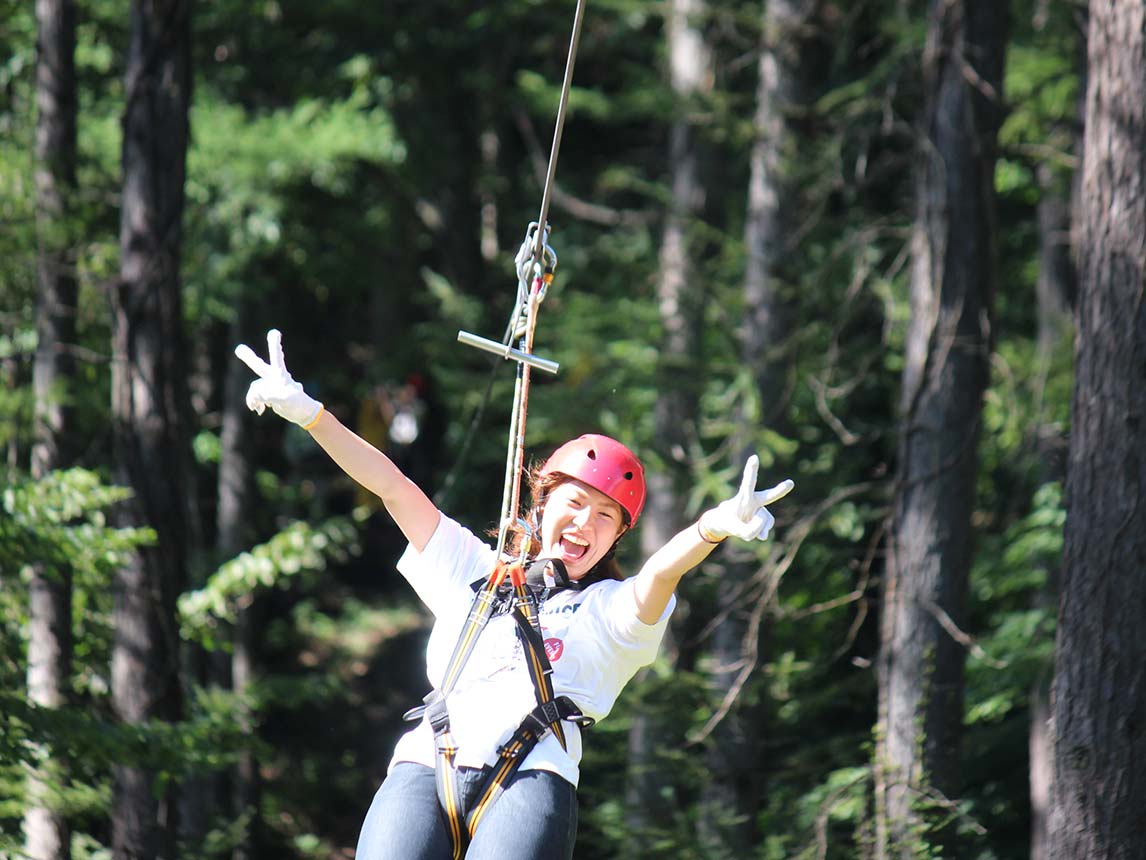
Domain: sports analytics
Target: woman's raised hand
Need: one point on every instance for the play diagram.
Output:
(275, 387)
(744, 515)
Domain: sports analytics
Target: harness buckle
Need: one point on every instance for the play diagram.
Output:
(435, 711)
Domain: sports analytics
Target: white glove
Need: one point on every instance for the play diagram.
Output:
(744, 515)
(275, 387)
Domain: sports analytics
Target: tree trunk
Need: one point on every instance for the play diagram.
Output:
(234, 494)
(1099, 788)
(490, 147)
(945, 374)
(46, 832)
(779, 88)
(55, 185)
(1055, 284)
(734, 793)
(680, 304)
(150, 409)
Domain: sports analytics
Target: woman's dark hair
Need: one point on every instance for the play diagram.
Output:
(539, 490)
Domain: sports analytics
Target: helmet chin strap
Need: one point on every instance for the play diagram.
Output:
(535, 574)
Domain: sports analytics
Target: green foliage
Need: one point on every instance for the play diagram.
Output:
(59, 525)
(341, 173)
(173, 751)
(297, 550)
(243, 163)
(60, 520)
(1012, 582)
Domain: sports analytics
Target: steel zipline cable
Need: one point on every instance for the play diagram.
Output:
(562, 105)
(530, 269)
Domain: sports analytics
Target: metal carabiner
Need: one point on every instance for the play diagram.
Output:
(525, 254)
(529, 267)
(528, 534)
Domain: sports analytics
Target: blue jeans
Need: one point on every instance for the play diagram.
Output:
(534, 819)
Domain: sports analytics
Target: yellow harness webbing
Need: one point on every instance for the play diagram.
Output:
(544, 718)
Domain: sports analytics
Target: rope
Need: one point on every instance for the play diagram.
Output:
(574, 42)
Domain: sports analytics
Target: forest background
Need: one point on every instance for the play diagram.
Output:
(848, 237)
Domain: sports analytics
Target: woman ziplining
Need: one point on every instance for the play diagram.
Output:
(533, 638)
(596, 630)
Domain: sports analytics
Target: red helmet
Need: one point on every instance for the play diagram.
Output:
(606, 465)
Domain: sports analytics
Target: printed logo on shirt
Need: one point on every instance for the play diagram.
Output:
(565, 609)
(554, 648)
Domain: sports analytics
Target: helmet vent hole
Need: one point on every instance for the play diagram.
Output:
(591, 454)
(628, 476)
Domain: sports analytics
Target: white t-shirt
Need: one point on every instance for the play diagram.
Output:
(594, 640)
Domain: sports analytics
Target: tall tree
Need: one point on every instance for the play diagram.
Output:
(735, 791)
(46, 832)
(679, 298)
(150, 407)
(680, 303)
(235, 481)
(1098, 791)
(949, 340)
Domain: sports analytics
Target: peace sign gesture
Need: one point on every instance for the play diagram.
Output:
(275, 387)
(744, 515)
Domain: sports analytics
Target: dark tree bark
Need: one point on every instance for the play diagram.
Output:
(780, 87)
(55, 186)
(46, 832)
(681, 306)
(1099, 788)
(679, 297)
(1055, 284)
(735, 790)
(234, 498)
(150, 408)
(945, 374)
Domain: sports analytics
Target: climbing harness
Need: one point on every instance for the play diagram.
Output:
(514, 586)
(521, 597)
(519, 591)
